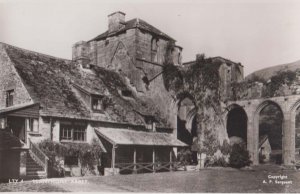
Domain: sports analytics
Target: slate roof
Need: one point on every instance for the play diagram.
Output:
(130, 137)
(50, 81)
(134, 23)
(15, 107)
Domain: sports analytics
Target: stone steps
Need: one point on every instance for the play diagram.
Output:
(33, 169)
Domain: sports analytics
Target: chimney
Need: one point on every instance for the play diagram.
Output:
(116, 21)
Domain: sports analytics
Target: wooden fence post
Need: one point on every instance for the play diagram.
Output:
(171, 160)
(153, 159)
(134, 161)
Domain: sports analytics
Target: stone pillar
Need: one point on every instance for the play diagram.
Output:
(174, 123)
(288, 139)
(23, 158)
(252, 137)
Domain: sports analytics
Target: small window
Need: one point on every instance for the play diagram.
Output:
(32, 125)
(71, 161)
(179, 58)
(9, 98)
(97, 104)
(66, 132)
(154, 50)
(126, 93)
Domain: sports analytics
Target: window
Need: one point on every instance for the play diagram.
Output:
(126, 93)
(79, 133)
(97, 104)
(66, 132)
(32, 124)
(72, 131)
(154, 49)
(9, 98)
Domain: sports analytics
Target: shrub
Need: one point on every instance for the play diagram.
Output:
(88, 154)
(239, 156)
(184, 157)
(216, 161)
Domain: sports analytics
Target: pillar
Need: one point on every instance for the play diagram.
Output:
(253, 136)
(113, 158)
(288, 139)
(23, 158)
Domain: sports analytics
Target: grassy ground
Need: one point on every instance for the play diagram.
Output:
(208, 180)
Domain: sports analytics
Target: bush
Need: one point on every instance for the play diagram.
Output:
(239, 156)
(216, 161)
(88, 155)
(184, 157)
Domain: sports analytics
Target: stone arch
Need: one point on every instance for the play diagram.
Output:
(190, 118)
(268, 142)
(294, 133)
(265, 103)
(186, 111)
(236, 122)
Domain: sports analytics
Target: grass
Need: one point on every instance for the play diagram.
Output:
(207, 180)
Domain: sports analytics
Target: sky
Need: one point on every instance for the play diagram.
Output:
(256, 33)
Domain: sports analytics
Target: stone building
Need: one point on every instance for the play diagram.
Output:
(104, 93)
(113, 91)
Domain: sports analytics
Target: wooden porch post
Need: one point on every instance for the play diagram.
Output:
(171, 160)
(153, 159)
(134, 161)
(113, 158)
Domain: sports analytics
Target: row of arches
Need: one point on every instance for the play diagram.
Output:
(267, 131)
(270, 131)
(276, 129)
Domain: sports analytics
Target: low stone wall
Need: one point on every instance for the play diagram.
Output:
(12, 164)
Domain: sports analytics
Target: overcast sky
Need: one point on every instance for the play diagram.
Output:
(256, 33)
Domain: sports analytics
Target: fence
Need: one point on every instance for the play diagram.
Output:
(147, 167)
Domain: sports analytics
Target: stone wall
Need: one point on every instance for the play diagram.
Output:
(10, 80)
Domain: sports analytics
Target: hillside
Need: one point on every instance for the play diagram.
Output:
(267, 73)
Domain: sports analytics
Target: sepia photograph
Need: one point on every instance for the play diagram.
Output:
(156, 96)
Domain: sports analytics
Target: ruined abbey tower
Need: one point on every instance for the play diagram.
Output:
(142, 53)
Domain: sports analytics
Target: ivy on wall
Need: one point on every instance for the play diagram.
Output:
(199, 81)
(272, 87)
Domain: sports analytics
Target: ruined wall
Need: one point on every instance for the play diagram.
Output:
(284, 83)
(10, 80)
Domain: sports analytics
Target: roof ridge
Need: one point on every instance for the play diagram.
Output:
(34, 52)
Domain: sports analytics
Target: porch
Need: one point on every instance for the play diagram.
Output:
(131, 152)
(20, 120)
(22, 160)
